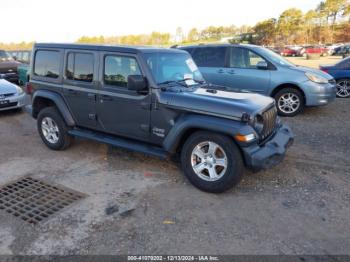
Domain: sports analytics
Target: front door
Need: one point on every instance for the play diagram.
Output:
(80, 86)
(242, 72)
(121, 111)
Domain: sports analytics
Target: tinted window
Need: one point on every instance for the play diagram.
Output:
(118, 68)
(4, 56)
(47, 64)
(244, 58)
(80, 67)
(210, 56)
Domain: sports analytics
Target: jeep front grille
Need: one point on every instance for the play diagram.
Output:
(269, 118)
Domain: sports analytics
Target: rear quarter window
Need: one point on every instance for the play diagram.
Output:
(209, 56)
(47, 63)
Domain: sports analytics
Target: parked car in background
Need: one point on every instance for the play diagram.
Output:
(155, 101)
(22, 56)
(345, 51)
(332, 49)
(8, 67)
(341, 73)
(288, 52)
(11, 96)
(257, 69)
(313, 50)
(342, 50)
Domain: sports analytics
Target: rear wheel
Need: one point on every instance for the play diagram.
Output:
(211, 162)
(289, 101)
(343, 88)
(52, 129)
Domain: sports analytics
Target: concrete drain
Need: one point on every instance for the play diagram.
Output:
(34, 200)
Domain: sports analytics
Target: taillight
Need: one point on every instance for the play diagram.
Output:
(29, 88)
(325, 70)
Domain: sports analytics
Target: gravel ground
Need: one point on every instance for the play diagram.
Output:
(141, 205)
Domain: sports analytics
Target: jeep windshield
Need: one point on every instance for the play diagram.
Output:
(174, 68)
(4, 56)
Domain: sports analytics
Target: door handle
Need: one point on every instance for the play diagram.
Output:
(221, 71)
(106, 98)
(232, 72)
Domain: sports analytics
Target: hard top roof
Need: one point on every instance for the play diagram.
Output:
(108, 48)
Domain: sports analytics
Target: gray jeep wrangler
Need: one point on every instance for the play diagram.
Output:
(153, 101)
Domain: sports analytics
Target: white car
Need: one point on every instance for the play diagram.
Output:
(11, 96)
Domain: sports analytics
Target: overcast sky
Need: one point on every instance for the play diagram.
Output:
(67, 20)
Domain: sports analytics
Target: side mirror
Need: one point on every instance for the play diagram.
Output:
(262, 65)
(137, 83)
(14, 57)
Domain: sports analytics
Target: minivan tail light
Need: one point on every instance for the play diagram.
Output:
(325, 70)
(29, 88)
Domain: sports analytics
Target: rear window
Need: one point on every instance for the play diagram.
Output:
(47, 63)
(210, 56)
(80, 67)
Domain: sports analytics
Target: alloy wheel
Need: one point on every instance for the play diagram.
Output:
(289, 103)
(50, 130)
(343, 88)
(209, 161)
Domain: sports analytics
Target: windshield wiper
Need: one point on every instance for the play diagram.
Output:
(181, 82)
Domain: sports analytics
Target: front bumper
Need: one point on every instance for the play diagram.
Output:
(15, 101)
(319, 94)
(271, 153)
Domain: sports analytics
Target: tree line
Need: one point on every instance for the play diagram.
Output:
(328, 23)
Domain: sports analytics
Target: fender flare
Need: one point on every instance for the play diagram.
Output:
(202, 122)
(58, 101)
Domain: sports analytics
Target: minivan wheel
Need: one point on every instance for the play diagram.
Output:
(211, 162)
(343, 88)
(289, 101)
(52, 129)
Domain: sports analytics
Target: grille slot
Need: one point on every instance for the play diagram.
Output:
(9, 105)
(269, 118)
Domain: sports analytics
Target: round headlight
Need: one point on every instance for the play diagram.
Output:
(259, 123)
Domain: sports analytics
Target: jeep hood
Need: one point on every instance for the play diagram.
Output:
(217, 102)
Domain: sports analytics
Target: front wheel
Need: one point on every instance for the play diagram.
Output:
(289, 101)
(343, 88)
(211, 162)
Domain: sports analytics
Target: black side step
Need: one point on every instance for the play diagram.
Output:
(120, 142)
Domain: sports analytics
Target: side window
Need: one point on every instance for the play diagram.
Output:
(80, 67)
(244, 58)
(47, 63)
(209, 56)
(25, 57)
(118, 68)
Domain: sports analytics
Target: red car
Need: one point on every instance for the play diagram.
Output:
(288, 52)
(321, 50)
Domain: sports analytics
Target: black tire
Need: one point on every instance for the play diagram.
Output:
(293, 91)
(234, 170)
(64, 139)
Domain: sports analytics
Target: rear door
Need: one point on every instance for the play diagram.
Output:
(211, 62)
(121, 111)
(242, 71)
(80, 85)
